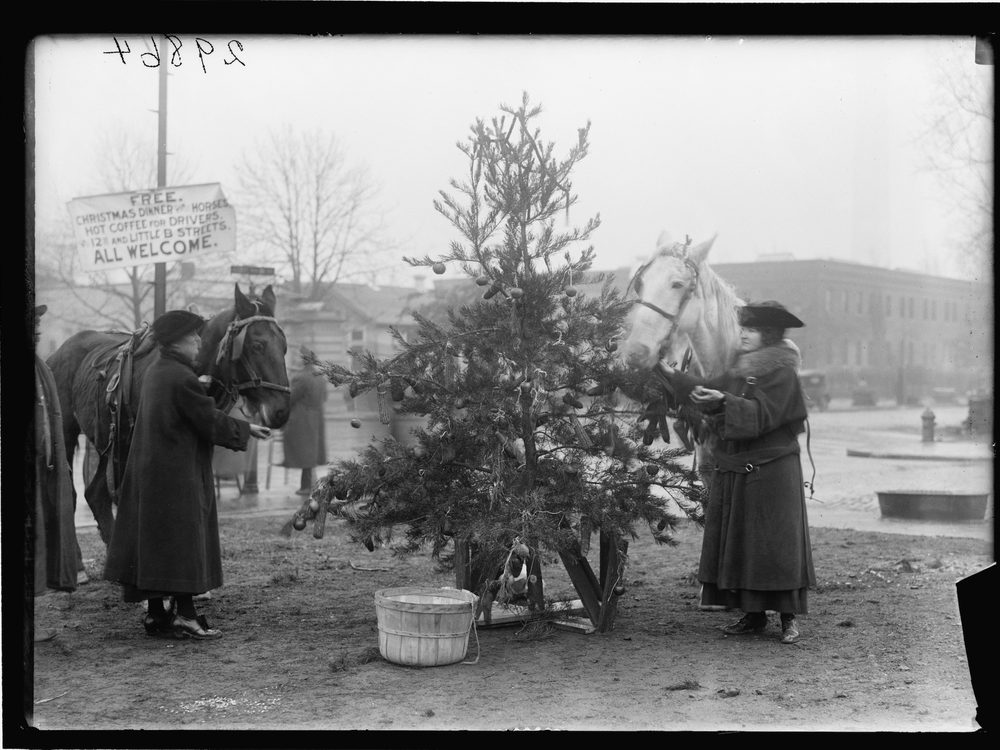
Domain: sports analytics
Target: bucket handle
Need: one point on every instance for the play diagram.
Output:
(473, 627)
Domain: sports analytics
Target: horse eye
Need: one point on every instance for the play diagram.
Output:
(258, 346)
(677, 284)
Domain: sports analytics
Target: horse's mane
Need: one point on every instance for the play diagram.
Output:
(724, 317)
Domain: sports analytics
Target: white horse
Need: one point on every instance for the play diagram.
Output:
(683, 313)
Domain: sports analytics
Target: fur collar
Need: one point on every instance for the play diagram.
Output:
(767, 360)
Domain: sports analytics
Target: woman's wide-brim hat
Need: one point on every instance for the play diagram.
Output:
(768, 314)
(174, 324)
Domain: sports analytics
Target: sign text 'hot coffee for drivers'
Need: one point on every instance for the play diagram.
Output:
(162, 225)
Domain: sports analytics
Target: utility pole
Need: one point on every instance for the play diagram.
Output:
(160, 270)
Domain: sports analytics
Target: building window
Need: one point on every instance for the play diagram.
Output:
(843, 353)
(933, 309)
(925, 309)
(829, 300)
(911, 311)
(859, 352)
(909, 353)
(888, 306)
(357, 335)
(847, 301)
(861, 303)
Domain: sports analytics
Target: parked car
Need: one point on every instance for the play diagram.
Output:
(814, 387)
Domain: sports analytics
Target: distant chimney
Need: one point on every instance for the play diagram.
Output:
(420, 283)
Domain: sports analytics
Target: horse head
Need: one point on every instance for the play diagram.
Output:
(244, 353)
(669, 301)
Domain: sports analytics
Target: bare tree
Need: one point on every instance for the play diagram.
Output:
(959, 147)
(303, 202)
(121, 298)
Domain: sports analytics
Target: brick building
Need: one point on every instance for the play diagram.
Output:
(902, 332)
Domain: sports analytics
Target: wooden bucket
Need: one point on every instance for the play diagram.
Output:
(423, 627)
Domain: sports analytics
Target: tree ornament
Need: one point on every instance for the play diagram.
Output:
(570, 291)
(574, 402)
(381, 394)
(482, 281)
(516, 293)
(581, 434)
(450, 370)
(356, 423)
(438, 268)
(299, 522)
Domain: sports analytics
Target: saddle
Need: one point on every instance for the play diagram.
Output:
(115, 366)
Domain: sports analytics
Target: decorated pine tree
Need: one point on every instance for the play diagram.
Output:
(536, 434)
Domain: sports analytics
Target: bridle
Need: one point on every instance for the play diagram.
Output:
(678, 251)
(232, 351)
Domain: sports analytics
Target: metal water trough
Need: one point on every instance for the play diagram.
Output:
(936, 505)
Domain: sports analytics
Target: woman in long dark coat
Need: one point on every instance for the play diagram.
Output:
(756, 554)
(166, 536)
(56, 550)
(304, 435)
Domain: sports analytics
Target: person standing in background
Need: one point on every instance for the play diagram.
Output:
(304, 435)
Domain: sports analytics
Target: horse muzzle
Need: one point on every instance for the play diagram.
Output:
(272, 410)
(639, 356)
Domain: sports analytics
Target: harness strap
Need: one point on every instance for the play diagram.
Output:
(811, 484)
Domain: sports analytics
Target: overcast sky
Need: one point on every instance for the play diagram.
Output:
(808, 147)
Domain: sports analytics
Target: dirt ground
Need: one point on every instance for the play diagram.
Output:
(882, 648)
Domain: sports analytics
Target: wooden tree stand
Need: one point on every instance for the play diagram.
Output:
(598, 600)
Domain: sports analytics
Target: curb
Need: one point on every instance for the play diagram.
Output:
(914, 457)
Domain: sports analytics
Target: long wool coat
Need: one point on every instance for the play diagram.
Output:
(166, 535)
(756, 553)
(304, 435)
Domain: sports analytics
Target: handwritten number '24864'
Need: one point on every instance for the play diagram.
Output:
(203, 46)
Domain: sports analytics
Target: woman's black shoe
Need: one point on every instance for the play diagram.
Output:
(158, 625)
(752, 622)
(789, 632)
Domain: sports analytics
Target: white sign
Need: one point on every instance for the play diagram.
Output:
(162, 225)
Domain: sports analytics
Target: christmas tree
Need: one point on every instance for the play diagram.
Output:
(536, 433)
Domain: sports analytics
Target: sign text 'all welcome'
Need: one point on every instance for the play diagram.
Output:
(162, 225)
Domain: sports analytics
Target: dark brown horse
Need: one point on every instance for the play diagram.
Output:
(243, 352)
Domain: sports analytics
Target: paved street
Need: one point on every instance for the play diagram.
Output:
(845, 486)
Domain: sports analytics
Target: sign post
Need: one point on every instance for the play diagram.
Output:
(160, 272)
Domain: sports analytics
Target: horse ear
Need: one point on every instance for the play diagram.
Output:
(244, 307)
(699, 252)
(269, 299)
(665, 240)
